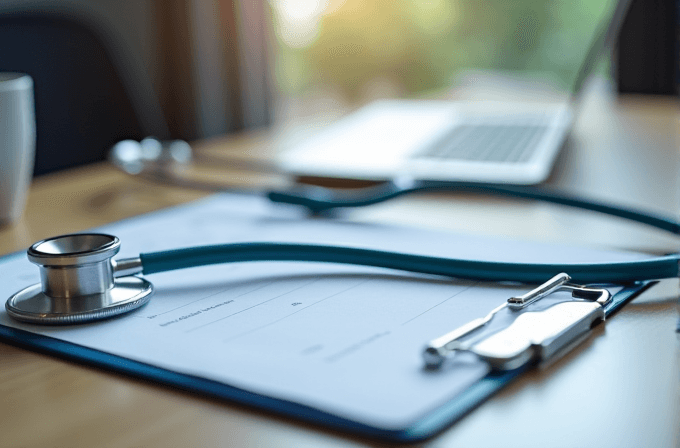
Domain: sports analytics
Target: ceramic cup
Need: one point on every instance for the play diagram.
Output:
(17, 143)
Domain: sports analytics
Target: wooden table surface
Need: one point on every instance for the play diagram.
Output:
(621, 388)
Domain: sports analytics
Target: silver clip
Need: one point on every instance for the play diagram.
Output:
(533, 335)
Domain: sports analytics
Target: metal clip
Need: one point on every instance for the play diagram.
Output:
(534, 335)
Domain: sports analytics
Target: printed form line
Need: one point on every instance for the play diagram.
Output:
(212, 295)
(294, 312)
(251, 307)
(440, 303)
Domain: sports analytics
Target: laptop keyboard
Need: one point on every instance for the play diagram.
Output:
(488, 143)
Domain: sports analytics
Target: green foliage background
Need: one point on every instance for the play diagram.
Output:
(422, 45)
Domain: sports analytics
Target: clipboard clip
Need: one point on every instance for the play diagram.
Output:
(533, 335)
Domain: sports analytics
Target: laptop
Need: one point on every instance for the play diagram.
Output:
(472, 141)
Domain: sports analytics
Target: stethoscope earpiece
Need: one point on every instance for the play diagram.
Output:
(78, 282)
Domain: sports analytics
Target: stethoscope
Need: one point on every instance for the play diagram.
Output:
(81, 283)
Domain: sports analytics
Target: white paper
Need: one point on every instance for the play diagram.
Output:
(343, 339)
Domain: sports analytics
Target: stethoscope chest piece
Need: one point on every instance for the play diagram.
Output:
(77, 283)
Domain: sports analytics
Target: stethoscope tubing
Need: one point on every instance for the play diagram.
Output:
(610, 272)
(112, 289)
(321, 199)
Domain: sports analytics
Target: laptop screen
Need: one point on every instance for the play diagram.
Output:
(602, 39)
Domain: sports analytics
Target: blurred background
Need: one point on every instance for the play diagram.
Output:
(202, 68)
(409, 47)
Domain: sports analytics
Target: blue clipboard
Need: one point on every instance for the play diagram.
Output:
(427, 427)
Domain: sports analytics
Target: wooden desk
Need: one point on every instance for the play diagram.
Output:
(621, 388)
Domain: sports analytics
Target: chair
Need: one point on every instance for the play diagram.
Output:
(89, 94)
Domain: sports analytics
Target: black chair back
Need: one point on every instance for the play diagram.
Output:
(82, 104)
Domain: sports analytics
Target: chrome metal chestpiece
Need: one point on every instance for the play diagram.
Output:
(533, 335)
(78, 282)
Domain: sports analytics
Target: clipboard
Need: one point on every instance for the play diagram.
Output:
(248, 213)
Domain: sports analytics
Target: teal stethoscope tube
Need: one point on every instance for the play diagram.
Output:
(320, 200)
(619, 272)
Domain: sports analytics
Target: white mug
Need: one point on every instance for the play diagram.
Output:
(17, 143)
